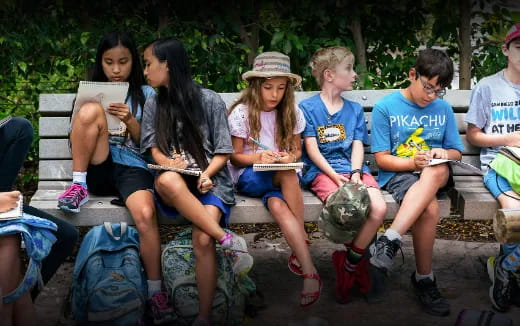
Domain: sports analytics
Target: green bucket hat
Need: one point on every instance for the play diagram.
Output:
(344, 212)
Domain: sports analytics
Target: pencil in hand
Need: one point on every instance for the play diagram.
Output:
(277, 157)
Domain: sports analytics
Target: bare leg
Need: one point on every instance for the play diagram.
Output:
(9, 272)
(294, 233)
(173, 190)
(507, 202)
(420, 195)
(89, 137)
(423, 234)
(206, 264)
(290, 185)
(372, 224)
(21, 312)
(291, 191)
(142, 208)
(24, 313)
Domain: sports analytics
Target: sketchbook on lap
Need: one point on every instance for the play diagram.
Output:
(464, 165)
(512, 150)
(16, 212)
(195, 172)
(103, 93)
(277, 166)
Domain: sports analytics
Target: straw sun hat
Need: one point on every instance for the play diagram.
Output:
(271, 65)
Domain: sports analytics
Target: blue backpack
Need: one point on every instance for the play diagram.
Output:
(109, 285)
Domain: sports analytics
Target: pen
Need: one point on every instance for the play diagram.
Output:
(416, 146)
(262, 146)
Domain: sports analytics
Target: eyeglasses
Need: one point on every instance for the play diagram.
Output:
(429, 90)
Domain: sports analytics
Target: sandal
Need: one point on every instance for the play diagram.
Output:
(314, 295)
(292, 266)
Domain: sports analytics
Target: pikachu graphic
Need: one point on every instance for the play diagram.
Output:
(408, 149)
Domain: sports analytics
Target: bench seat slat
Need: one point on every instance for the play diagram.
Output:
(247, 210)
(476, 203)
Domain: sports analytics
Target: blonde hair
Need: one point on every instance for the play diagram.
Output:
(328, 58)
(285, 116)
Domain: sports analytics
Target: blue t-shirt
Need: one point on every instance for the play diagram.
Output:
(334, 134)
(398, 122)
(125, 151)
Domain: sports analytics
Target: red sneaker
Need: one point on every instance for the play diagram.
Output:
(344, 279)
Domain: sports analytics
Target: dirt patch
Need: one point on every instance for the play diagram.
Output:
(450, 228)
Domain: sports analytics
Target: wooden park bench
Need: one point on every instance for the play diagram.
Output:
(470, 198)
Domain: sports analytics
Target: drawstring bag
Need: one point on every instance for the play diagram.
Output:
(506, 164)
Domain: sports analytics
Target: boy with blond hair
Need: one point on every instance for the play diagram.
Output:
(334, 136)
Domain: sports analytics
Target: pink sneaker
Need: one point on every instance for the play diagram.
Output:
(160, 310)
(71, 200)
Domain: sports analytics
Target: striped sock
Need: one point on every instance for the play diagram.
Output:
(354, 256)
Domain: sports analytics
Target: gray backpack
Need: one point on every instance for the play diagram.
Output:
(233, 285)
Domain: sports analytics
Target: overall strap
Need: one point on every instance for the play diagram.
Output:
(32, 275)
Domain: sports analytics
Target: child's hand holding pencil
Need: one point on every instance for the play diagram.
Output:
(421, 158)
(268, 156)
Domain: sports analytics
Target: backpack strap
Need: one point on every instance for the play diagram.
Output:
(108, 228)
(32, 275)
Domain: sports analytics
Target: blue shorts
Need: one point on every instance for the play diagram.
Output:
(258, 184)
(205, 199)
(495, 183)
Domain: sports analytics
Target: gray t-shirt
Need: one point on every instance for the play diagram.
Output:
(495, 108)
(216, 135)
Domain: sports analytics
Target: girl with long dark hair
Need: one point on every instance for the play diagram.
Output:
(111, 164)
(185, 126)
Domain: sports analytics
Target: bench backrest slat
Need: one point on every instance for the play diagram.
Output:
(55, 109)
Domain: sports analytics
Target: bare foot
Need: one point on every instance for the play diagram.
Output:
(310, 286)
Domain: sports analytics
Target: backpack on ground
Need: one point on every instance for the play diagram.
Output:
(472, 317)
(109, 285)
(233, 285)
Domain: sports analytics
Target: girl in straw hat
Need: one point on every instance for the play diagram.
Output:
(265, 128)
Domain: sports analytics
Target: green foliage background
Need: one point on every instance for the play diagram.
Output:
(47, 46)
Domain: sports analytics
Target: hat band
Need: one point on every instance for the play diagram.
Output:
(269, 66)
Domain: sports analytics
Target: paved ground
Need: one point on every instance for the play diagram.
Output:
(458, 266)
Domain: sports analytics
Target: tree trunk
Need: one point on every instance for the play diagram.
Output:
(465, 44)
(162, 15)
(506, 225)
(248, 30)
(360, 51)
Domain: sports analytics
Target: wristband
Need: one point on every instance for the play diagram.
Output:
(357, 171)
